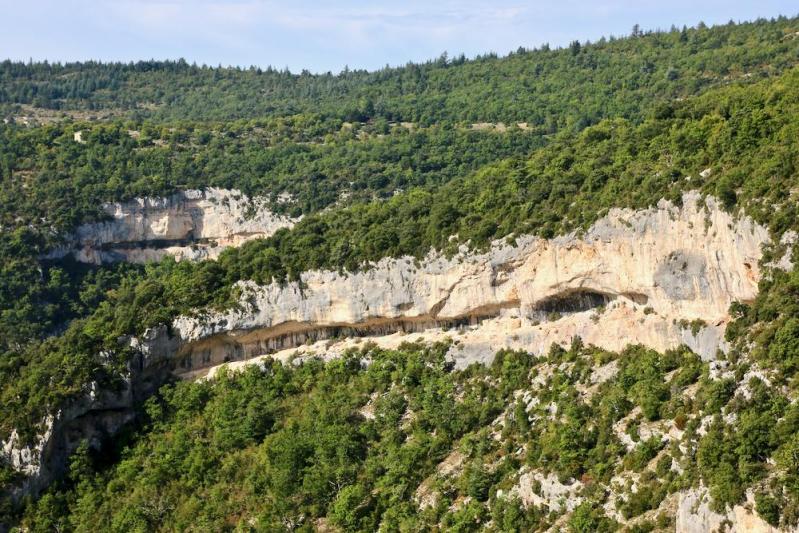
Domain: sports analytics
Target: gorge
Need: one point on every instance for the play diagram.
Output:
(660, 277)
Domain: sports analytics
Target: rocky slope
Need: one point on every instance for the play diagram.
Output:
(695, 516)
(188, 225)
(660, 277)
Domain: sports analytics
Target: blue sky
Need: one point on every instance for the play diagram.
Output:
(325, 35)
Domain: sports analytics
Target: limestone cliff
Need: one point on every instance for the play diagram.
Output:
(188, 225)
(694, 515)
(96, 416)
(660, 277)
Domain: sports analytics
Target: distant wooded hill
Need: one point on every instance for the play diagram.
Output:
(549, 88)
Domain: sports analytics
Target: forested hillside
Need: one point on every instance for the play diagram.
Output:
(388, 164)
(547, 88)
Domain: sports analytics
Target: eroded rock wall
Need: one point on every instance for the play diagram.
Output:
(633, 277)
(662, 277)
(188, 225)
(694, 515)
(94, 418)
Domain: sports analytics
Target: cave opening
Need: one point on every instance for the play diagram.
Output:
(572, 301)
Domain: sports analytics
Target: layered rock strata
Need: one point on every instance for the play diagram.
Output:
(661, 277)
(191, 224)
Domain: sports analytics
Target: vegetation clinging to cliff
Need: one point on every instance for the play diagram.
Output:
(745, 135)
(644, 144)
(398, 439)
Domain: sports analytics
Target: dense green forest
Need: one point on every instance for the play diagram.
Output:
(303, 450)
(551, 88)
(62, 182)
(355, 443)
(618, 123)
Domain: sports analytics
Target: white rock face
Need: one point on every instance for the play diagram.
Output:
(634, 277)
(188, 225)
(551, 494)
(695, 516)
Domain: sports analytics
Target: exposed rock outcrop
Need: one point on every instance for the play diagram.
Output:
(539, 490)
(694, 515)
(96, 417)
(188, 225)
(661, 277)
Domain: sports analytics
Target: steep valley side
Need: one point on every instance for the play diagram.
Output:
(659, 277)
